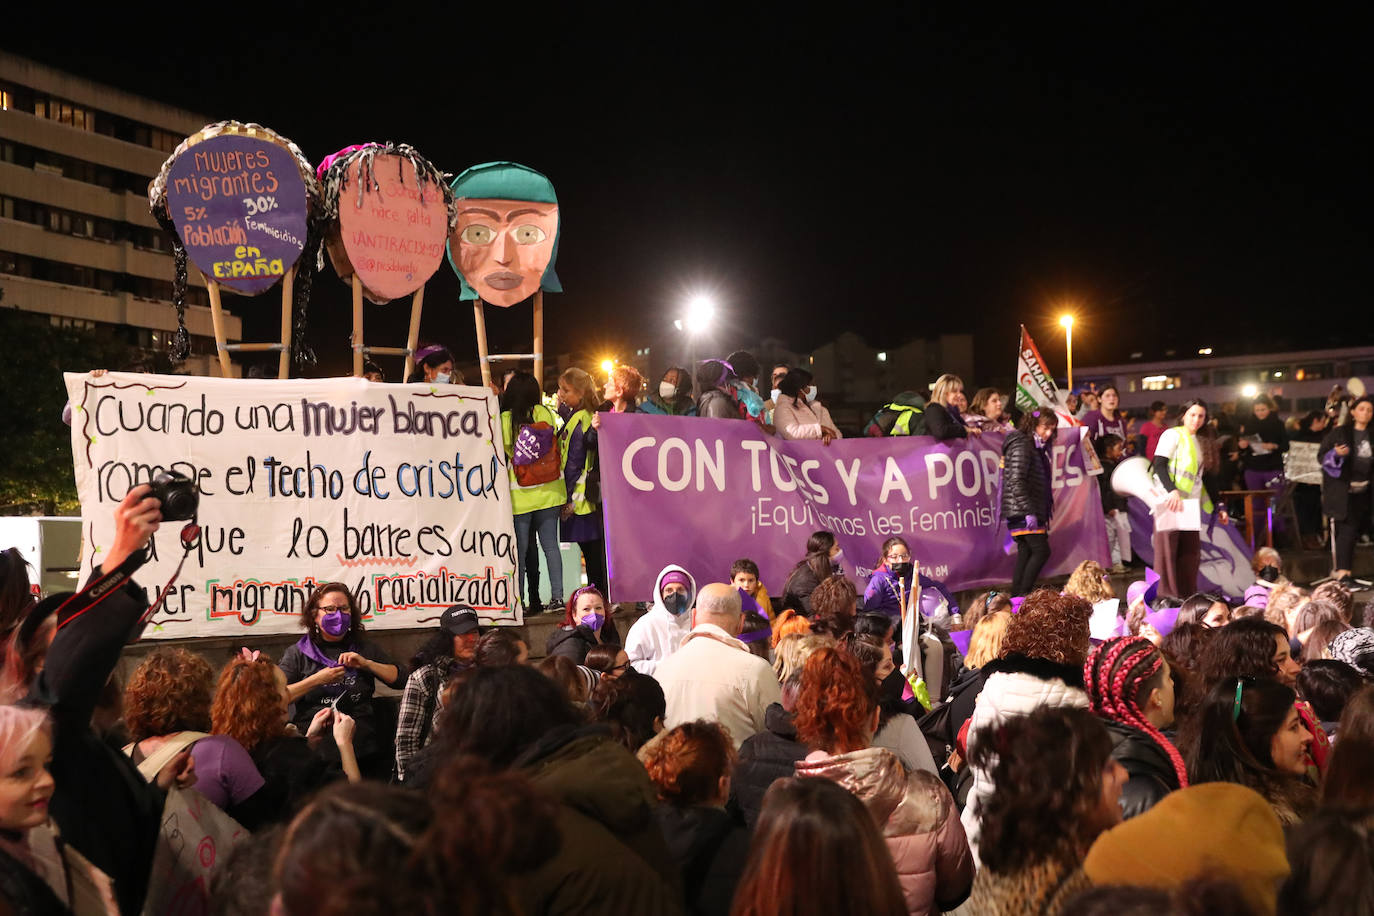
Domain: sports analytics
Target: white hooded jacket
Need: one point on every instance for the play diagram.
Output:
(659, 633)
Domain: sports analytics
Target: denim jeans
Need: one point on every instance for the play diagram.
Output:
(544, 523)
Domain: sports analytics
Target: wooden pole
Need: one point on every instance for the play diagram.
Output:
(287, 284)
(481, 320)
(357, 327)
(417, 302)
(539, 337)
(217, 318)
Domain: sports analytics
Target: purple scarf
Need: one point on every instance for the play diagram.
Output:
(307, 647)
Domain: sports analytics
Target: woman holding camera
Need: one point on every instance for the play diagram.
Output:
(335, 666)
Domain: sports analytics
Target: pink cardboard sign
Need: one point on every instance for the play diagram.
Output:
(393, 233)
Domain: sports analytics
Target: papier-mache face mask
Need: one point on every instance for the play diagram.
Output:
(505, 242)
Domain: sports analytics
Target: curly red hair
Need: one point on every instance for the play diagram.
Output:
(834, 710)
(248, 702)
(687, 763)
(1050, 626)
(169, 692)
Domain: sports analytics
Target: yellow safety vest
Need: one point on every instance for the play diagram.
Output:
(905, 414)
(583, 420)
(1185, 467)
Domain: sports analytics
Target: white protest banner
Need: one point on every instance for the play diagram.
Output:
(399, 491)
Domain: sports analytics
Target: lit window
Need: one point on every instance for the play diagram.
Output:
(882, 357)
(1160, 382)
(6, 100)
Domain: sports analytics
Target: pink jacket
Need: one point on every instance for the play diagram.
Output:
(918, 820)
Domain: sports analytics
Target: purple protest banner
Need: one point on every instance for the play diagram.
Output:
(703, 493)
(1225, 562)
(239, 203)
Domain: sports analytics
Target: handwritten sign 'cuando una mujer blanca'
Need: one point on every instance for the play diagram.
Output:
(399, 491)
(239, 204)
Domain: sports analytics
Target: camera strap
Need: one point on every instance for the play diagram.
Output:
(188, 542)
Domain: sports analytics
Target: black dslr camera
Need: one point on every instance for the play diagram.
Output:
(178, 496)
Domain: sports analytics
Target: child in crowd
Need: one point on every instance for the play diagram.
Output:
(744, 574)
(1109, 450)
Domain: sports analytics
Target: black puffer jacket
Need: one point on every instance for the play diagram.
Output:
(1025, 478)
(571, 642)
(769, 755)
(1152, 775)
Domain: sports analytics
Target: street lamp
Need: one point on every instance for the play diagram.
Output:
(1066, 321)
(701, 309)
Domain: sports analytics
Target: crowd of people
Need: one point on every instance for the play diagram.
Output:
(1040, 751)
(1073, 754)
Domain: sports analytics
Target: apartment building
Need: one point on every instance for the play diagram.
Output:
(77, 241)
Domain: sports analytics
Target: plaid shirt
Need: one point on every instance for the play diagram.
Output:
(419, 711)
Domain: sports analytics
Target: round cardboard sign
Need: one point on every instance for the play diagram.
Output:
(393, 233)
(239, 203)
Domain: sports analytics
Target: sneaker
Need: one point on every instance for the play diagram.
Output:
(1118, 570)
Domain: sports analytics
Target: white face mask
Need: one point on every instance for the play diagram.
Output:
(442, 378)
(776, 395)
(811, 394)
(667, 390)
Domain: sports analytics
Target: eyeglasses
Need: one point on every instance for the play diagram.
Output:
(335, 609)
(904, 558)
(618, 669)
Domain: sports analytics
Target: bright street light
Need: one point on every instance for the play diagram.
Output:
(700, 310)
(607, 365)
(1249, 391)
(1205, 351)
(1066, 322)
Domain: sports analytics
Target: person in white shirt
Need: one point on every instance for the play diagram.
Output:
(796, 412)
(714, 676)
(657, 634)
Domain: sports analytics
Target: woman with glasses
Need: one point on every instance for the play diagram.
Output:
(891, 586)
(335, 666)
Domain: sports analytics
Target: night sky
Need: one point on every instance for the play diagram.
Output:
(1200, 178)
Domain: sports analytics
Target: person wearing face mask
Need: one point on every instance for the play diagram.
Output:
(824, 558)
(580, 518)
(674, 395)
(1027, 497)
(334, 665)
(779, 372)
(657, 634)
(891, 584)
(586, 624)
(797, 414)
(434, 365)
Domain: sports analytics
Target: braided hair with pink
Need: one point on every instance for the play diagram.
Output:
(1113, 677)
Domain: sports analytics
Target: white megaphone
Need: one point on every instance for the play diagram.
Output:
(1133, 477)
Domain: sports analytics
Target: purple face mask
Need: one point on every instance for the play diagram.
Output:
(592, 622)
(335, 623)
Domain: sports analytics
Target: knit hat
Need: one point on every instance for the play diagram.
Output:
(1050, 626)
(675, 576)
(1355, 648)
(1215, 830)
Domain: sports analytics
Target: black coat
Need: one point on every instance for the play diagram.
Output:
(710, 846)
(571, 642)
(796, 591)
(1336, 490)
(771, 754)
(1025, 478)
(941, 424)
(1152, 775)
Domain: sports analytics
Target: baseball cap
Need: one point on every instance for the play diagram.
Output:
(458, 620)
